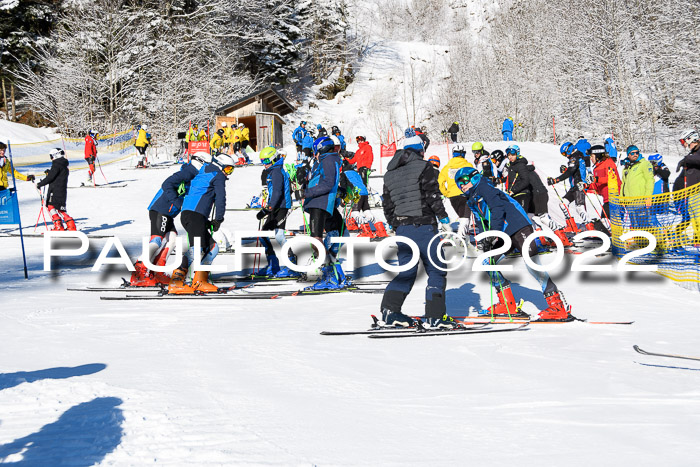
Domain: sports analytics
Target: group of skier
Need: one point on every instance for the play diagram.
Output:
(327, 177)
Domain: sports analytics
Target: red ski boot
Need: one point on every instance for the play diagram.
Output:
(557, 309)
(366, 231)
(562, 236)
(571, 226)
(58, 225)
(351, 224)
(379, 230)
(142, 277)
(506, 305)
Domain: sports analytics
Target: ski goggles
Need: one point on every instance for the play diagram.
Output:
(266, 161)
(228, 170)
(633, 153)
(511, 152)
(459, 153)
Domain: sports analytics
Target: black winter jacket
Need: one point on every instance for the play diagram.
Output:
(57, 180)
(518, 180)
(454, 128)
(691, 171)
(411, 193)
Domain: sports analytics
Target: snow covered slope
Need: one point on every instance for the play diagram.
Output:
(251, 382)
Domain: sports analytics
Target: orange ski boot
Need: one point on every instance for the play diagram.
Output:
(201, 283)
(177, 284)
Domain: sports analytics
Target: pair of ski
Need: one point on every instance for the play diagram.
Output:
(379, 331)
(644, 352)
(231, 293)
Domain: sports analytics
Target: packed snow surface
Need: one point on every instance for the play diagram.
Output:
(251, 382)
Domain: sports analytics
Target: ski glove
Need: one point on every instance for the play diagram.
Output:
(262, 214)
(551, 181)
(681, 164)
(30, 178)
(445, 220)
(215, 224)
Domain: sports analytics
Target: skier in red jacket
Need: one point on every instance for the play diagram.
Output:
(363, 158)
(602, 164)
(91, 153)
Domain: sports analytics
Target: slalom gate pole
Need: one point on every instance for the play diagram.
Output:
(19, 217)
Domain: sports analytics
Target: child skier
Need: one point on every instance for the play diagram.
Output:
(57, 180)
(498, 211)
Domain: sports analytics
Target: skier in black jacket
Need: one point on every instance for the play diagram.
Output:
(57, 180)
(412, 205)
(453, 130)
(518, 179)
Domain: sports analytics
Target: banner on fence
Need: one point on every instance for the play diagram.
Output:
(110, 148)
(9, 207)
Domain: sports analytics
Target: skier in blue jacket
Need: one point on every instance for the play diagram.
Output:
(507, 129)
(275, 213)
(611, 148)
(207, 190)
(162, 211)
(298, 136)
(320, 201)
(583, 146)
(495, 210)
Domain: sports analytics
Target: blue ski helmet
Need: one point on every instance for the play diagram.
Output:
(655, 159)
(323, 145)
(514, 149)
(466, 175)
(566, 148)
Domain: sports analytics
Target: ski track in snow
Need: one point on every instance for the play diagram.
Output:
(85, 381)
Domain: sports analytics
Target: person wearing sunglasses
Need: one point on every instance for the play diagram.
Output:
(207, 191)
(495, 210)
(638, 180)
(162, 211)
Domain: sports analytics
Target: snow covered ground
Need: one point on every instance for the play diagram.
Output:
(251, 382)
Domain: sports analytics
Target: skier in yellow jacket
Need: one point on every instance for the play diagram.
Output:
(142, 141)
(217, 141)
(245, 141)
(449, 188)
(228, 137)
(6, 167)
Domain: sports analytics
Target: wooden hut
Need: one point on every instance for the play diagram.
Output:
(262, 112)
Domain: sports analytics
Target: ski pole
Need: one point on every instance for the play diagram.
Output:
(491, 281)
(41, 210)
(100, 166)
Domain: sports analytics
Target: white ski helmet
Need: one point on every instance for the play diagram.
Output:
(689, 136)
(336, 141)
(56, 153)
(223, 124)
(200, 158)
(224, 160)
(144, 127)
